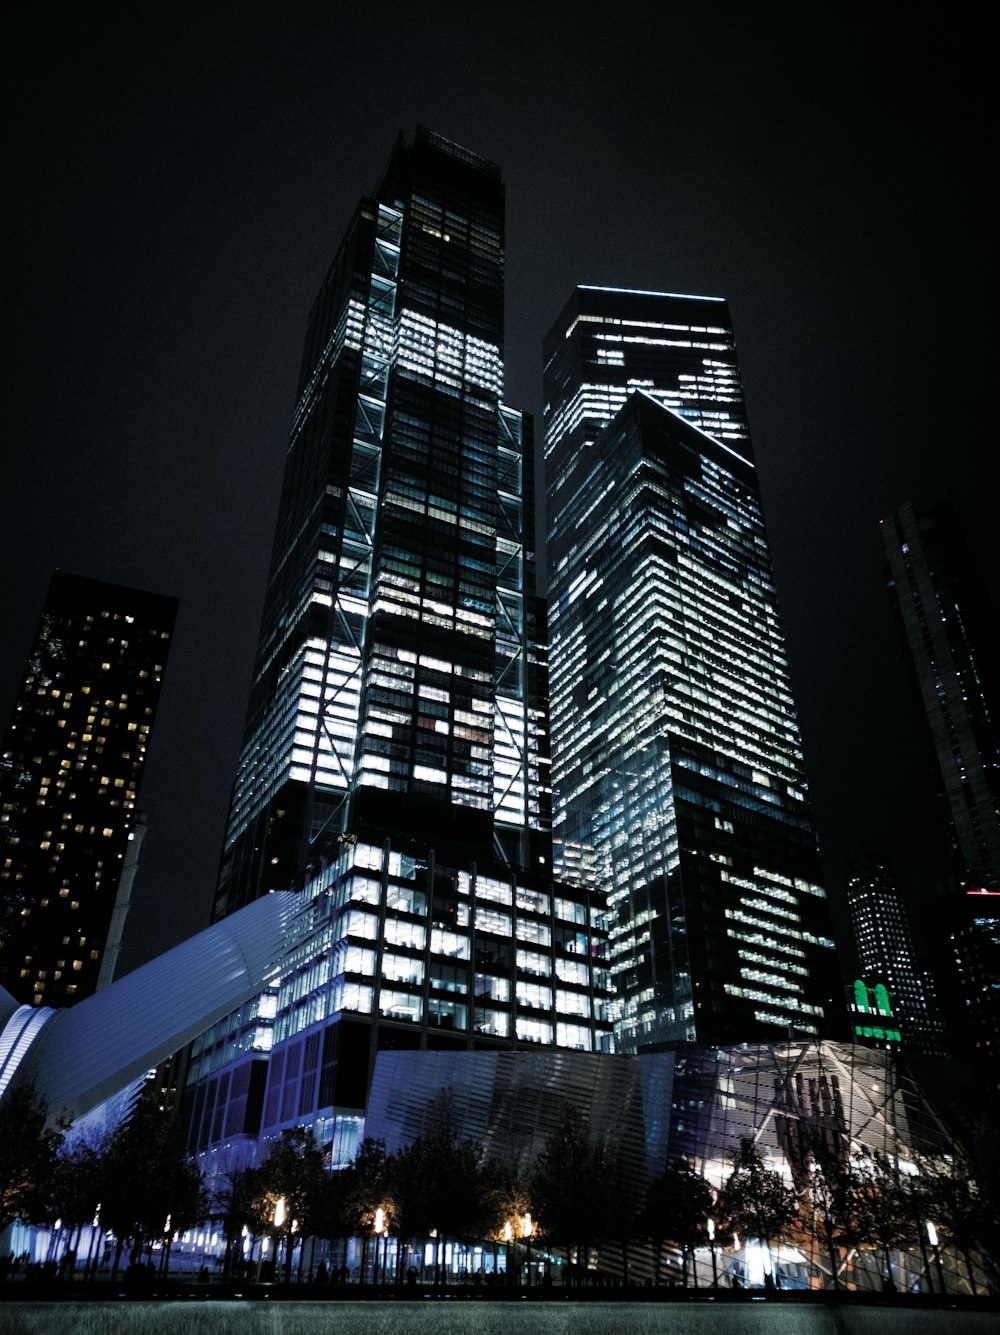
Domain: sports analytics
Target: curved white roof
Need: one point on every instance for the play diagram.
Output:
(81, 1056)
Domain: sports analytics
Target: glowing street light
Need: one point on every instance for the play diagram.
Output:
(932, 1238)
(527, 1228)
(280, 1215)
(508, 1237)
(93, 1240)
(379, 1230)
(710, 1225)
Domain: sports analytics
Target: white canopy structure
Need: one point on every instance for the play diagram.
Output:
(79, 1057)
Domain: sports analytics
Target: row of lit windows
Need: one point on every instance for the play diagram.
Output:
(793, 1004)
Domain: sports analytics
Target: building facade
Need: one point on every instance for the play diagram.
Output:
(73, 758)
(698, 1104)
(941, 612)
(399, 952)
(677, 766)
(394, 755)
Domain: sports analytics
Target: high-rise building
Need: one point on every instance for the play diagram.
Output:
(676, 761)
(941, 611)
(942, 614)
(888, 959)
(394, 753)
(965, 935)
(72, 762)
(394, 684)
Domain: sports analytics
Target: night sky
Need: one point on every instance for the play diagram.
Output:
(177, 184)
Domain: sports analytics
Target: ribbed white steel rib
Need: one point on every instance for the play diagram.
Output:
(81, 1056)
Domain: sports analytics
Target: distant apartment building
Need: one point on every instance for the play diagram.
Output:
(72, 761)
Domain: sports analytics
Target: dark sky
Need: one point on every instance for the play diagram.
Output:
(177, 183)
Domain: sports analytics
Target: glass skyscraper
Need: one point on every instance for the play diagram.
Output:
(394, 685)
(393, 762)
(676, 761)
(944, 617)
(944, 620)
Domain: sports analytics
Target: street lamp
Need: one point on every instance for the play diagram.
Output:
(932, 1238)
(508, 1236)
(280, 1214)
(527, 1228)
(379, 1230)
(710, 1224)
(94, 1243)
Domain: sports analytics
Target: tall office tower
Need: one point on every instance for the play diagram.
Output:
(941, 611)
(887, 957)
(73, 759)
(394, 686)
(392, 751)
(965, 927)
(676, 763)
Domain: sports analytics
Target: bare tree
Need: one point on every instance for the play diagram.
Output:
(823, 1177)
(678, 1204)
(147, 1177)
(568, 1187)
(28, 1148)
(291, 1174)
(756, 1202)
(879, 1215)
